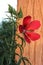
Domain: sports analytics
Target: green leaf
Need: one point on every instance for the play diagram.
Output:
(23, 41)
(17, 54)
(13, 62)
(21, 48)
(24, 62)
(1, 60)
(25, 59)
(20, 14)
(19, 61)
(12, 10)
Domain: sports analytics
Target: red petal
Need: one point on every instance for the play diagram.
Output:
(33, 36)
(26, 20)
(21, 28)
(26, 38)
(33, 25)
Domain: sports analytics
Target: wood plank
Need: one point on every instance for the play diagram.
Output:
(34, 8)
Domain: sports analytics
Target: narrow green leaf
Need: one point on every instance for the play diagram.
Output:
(1, 60)
(21, 49)
(23, 41)
(25, 59)
(19, 61)
(12, 10)
(20, 14)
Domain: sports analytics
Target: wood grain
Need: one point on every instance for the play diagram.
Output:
(34, 50)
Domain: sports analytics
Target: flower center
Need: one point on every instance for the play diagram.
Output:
(24, 31)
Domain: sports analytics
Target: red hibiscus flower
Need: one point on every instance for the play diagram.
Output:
(28, 28)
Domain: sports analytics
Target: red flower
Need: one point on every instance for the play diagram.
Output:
(28, 28)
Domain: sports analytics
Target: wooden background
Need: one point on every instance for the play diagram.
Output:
(34, 50)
